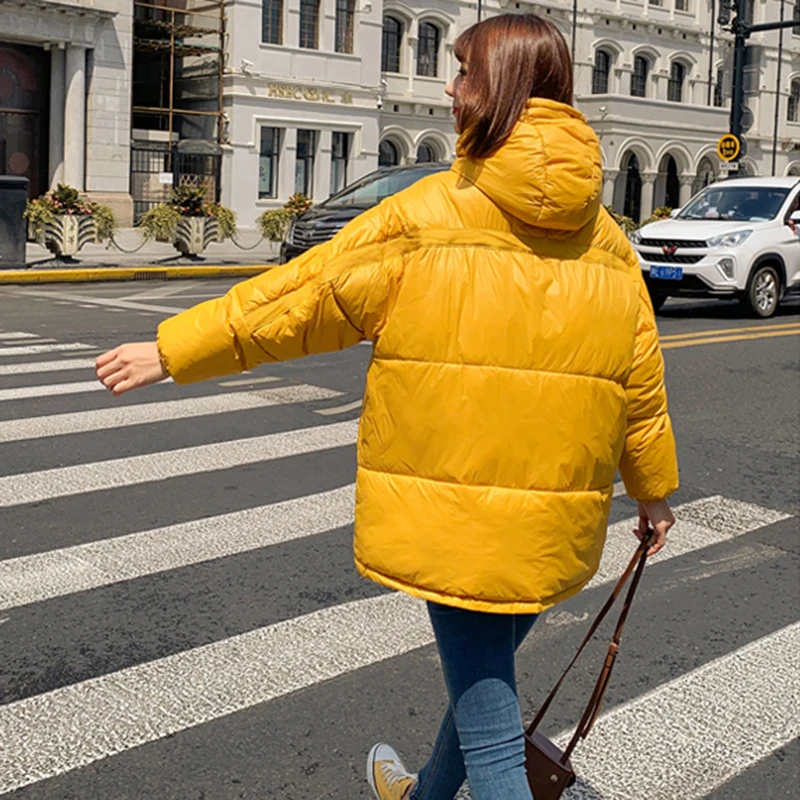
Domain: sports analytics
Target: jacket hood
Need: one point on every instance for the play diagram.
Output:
(548, 173)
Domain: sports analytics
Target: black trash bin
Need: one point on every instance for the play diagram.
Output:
(13, 194)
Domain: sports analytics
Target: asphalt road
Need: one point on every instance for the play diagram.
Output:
(180, 616)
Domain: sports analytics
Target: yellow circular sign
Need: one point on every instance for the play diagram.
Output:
(728, 147)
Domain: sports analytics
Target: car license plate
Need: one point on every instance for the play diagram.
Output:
(666, 273)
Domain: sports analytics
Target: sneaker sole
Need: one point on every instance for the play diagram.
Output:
(371, 770)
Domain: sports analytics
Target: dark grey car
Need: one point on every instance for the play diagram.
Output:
(324, 221)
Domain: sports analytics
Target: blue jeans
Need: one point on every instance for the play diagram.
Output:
(481, 736)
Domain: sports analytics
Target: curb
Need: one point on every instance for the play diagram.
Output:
(89, 274)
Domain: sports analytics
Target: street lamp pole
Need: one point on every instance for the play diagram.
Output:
(480, 9)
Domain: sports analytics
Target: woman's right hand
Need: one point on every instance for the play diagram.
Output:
(659, 516)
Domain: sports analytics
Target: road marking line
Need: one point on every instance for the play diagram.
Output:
(120, 416)
(67, 728)
(724, 339)
(619, 489)
(50, 390)
(18, 343)
(339, 409)
(101, 301)
(32, 487)
(55, 573)
(34, 367)
(698, 731)
(722, 331)
(17, 335)
(35, 349)
(252, 381)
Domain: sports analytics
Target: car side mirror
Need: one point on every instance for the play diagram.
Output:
(795, 218)
(674, 213)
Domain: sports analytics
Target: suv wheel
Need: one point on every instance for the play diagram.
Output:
(763, 291)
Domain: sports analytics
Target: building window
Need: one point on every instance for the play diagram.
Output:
(641, 68)
(677, 76)
(796, 28)
(340, 152)
(268, 162)
(750, 11)
(602, 68)
(656, 2)
(428, 50)
(719, 100)
(681, 5)
(426, 153)
(304, 163)
(632, 206)
(272, 21)
(388, 156)
(794, 102)
(345, 18)
(309, 24)
(392, 40)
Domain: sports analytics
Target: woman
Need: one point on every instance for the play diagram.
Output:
(515, 368)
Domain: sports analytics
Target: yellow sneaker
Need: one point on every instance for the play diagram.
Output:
(387, 776)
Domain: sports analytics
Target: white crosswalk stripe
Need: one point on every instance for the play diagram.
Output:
(33, 487)
(35, 367)
(7, 337)
(36, 349)
(695, 732)
(148, 413)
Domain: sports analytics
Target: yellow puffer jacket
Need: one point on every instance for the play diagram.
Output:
(515, 368)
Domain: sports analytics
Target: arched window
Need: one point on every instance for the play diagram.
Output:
(705, 175)
(633, 189)
(677, 77)
(426, 152)
(602, 69)
(750, 11)
(428, 50)
(672, 183)
(388, 156)
(793, 114)
(641, 68)
(392, 41)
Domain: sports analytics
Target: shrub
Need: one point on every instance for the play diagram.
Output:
(66, 200)
(274, 223)
(161, 222)
(626, 223)
(659, 213)
(297, 204)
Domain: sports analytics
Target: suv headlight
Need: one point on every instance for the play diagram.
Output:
(636, 237)
(729, 239)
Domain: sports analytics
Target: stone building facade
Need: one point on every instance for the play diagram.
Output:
(65, 89)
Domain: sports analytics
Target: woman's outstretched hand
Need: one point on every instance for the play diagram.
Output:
(130, 366)
(657, 515)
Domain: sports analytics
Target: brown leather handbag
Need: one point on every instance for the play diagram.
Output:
(549, 768)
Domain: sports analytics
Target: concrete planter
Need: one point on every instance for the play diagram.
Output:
(67, 234)
(195, 234)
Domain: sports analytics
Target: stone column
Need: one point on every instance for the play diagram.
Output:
(687, 181)
(648, 182)
(75, 117)
(609, 183)
(56, 115)
(412, 61)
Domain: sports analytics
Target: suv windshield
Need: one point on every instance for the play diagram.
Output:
(736, 203)
(378, 186)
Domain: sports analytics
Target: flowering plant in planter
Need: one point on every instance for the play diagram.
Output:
(188, 221)
(274, 222)
(64, 221)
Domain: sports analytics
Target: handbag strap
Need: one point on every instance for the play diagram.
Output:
(590, 714)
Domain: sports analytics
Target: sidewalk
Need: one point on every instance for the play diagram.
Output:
(155, 260)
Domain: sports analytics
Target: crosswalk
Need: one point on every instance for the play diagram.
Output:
(698, 727)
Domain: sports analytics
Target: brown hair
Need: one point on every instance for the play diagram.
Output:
(509, 58)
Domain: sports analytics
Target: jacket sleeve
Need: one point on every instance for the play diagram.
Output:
(331, 297)
(649, 464)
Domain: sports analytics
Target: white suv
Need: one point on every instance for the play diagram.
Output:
(738, 238)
